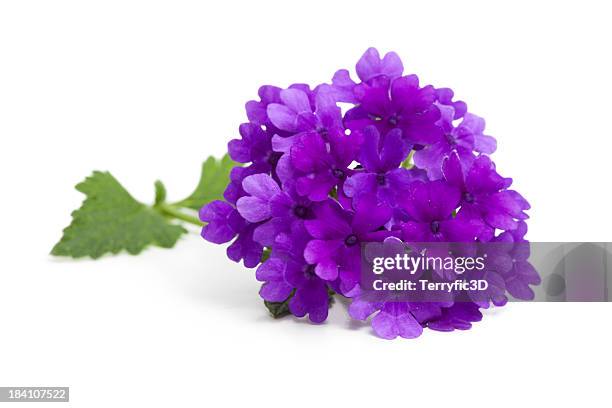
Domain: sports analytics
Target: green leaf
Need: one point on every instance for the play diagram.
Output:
(160, 193)
(278, 309)
(111, 220)
(213, 181)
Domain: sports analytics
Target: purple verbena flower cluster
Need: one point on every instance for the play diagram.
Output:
(406, 160)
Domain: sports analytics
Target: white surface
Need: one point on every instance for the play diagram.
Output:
(148, 89)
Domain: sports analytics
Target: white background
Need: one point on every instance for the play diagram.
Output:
(149, 89)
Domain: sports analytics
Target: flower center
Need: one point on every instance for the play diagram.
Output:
(339, 174)
(435, 227)
(450, 139)
(393, 119)
(351, 240)
(468, 197)
(418, 147)
(323, 132)
(381, 179)
(273, 158)
(309, 271)
(300, 211)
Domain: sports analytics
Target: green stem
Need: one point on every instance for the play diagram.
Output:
(175, 212)
(408, 163)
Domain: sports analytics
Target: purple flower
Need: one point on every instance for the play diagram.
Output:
(430, 207)
(245, 248)
(321, 165)
(464, 139)
(255, 146)
(317, 155)
(274, 209)
(496, 288)
(369, 66)
(287, 273)
(256, 111)
(255, 207)
(381, 175)
(521, 274)
(234, 189)
(337, 233)
(484, 195)
(401, 103)
(224, 223)
(407, 319)
(445, 97)
(507, 269)
(393, 318)
(296, 113)
(405, 165)
(460, 316)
